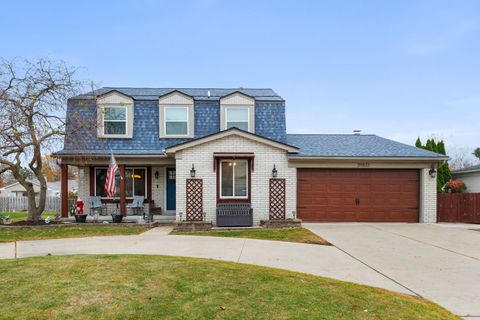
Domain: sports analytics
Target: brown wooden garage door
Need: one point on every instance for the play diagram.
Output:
(368, 195)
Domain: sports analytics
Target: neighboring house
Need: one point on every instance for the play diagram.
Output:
(15, 189)
(470, 176)
(191, 151)
(56, 186)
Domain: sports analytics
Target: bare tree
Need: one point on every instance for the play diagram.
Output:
(33, 98)
(459, 158)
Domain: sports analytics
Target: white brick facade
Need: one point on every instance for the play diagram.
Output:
(265, 157)
(428, 197)
(158, 190)
(84, 186)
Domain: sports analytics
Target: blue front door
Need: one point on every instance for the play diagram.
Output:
(171, 189)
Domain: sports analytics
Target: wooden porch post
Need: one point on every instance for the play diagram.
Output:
(123, 207)
(64, 190)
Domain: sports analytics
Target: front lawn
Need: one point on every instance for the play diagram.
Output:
(158, 287)
(8, 234)
(301, 235)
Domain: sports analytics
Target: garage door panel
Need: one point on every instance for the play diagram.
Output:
(384, 194)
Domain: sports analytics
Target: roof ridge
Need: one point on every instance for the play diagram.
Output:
(180, 88)
(330, 134)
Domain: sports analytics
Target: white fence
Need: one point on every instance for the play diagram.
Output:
(16, 204)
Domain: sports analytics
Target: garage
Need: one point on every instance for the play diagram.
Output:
(363, 195)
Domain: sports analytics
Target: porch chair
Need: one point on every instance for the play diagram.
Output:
(137, 206)
(96, 204)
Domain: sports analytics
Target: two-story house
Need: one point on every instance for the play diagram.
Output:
(188, 151)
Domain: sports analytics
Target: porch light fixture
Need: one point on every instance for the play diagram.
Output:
(432, 172)
(192, 172)
(157, 174)
(274, 172)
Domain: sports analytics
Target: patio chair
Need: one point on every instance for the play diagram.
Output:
(137, 206)
(97, 205)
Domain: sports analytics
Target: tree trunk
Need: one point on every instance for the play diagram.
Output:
(34, 210)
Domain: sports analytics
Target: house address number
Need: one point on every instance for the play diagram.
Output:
(363, 164)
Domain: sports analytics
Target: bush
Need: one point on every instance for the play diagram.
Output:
(455, 186)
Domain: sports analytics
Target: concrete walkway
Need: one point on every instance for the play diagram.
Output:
(438, 262)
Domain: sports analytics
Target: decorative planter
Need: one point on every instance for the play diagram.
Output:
(80, 218)
(117, 218)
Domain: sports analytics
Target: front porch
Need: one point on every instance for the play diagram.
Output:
(141, 188)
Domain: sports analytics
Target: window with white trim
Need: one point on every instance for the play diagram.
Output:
(234, 179)
(135, 182)
(115, 120)
(176, 121)
(237, 117)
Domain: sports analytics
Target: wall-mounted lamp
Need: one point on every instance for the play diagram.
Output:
(192, 171)
(432, 172)
(274, 172)
(157, 174)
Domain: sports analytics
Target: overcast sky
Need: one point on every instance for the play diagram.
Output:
(399, 69)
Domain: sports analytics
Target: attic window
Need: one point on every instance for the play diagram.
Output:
(176, 121)
(115, 120)
(237, 117)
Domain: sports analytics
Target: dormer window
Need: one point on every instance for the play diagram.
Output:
(115, 116)
(115, 120)
(237, 110)
(237, 117)
(176, 121)
(176, 111)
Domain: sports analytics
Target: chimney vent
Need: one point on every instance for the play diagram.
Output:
(208, 93)
(357, 132)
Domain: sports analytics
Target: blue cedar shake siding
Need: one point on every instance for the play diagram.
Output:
(82, 115)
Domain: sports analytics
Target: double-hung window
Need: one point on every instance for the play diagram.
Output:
(115, 120)
(176, 121)
(237, 117)
(234, 179)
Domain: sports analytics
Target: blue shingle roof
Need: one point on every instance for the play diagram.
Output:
(196, 93)
(351, 145)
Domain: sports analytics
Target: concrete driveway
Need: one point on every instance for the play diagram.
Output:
(439, 262)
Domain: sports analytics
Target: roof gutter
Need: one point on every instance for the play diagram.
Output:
(119, 155)
(439, 159)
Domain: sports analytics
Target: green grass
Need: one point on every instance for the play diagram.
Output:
(158, 287)
(8, 234)
(18, 216)
(301, 235)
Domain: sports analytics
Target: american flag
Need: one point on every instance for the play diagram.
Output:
(110, 187)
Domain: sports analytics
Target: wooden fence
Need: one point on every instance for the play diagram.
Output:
(16, 204)
(458, 207)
